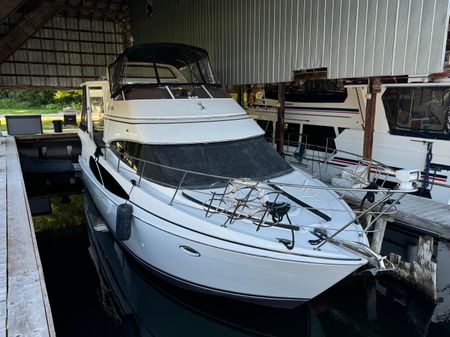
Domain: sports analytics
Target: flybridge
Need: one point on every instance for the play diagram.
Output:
(163, 71)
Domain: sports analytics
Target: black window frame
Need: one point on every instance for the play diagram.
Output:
(84, 120)
(393, 95)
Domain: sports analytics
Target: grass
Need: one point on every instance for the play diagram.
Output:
(30, 111)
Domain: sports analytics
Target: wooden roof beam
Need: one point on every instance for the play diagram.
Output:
(23, 30)
(9, 7)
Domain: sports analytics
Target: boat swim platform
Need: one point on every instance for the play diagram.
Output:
(24, 303)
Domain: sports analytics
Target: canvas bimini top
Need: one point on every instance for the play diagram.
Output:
(159, 64)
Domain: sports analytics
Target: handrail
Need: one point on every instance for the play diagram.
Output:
(326, 149)
(381, 201)
(236, 210)
(228, 178)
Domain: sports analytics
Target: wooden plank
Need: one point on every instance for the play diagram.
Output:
(419, 212)
(378, 235)
(26, 299)
(48, 136)
(48, 311)
(3, 243)
(369, 120)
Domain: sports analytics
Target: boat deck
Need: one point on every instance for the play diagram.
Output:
(24, 303)
(421, 213)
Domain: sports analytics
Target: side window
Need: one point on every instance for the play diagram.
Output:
(129, 151)
(418, 110)
(97, 108)
(83, 121)
(267, 126)
(390, 106)
(105, 178)
(291, 134)
(405, 100)
(330, 91)
(322, 136)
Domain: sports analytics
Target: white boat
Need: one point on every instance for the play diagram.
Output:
(411, 126)
(192, 192)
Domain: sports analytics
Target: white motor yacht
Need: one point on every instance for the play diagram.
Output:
(325, 122)
(190, 189)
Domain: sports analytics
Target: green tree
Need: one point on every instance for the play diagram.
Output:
(68, 98)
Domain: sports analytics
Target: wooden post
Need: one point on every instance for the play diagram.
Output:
(373, 89)
(241, 90)
(378, 234)
(251, 95)
(279, 135)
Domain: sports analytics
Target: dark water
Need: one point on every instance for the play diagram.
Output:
(73, 284)
(126, 302)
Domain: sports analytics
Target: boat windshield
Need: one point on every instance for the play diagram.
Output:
(252, 158)
(311, 91)
(163, 65)
(418, 111)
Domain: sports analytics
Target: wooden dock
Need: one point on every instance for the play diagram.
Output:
(24, 303)
(425, 214)
(426, 274)
(420, 213)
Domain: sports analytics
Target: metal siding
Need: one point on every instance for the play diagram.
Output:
(263, 41)
(379, 36)
(439, 28)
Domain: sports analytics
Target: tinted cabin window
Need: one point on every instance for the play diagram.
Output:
(291, 134)
(83, 121)
(247, 158)
(421, 112)
(128, 151)
(319, 135)
(267, 126)
(147, 71)
(188, 91)
(217, 91)
(105, 178)
(312, 91)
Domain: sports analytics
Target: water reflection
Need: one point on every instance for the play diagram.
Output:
(376, 307)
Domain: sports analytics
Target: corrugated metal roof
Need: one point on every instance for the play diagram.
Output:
(67, 50)
(264, 41)
(64, 53)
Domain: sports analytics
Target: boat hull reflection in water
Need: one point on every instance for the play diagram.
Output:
(149, 306)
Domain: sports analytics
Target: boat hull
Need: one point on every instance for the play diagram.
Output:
(138, 296)
(210, 265)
